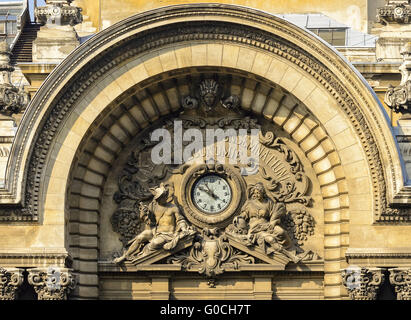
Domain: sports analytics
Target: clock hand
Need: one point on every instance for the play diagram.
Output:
(212, 192)
(209, 192)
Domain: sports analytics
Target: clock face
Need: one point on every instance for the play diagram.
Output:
(211, 194)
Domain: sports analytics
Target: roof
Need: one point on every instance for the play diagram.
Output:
(309, 21)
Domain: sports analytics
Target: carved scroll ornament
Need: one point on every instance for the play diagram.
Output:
(10, 281)
(52, 283)
(400, 278)
(362, 283)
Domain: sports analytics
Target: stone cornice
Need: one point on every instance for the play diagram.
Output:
(126, 49)
(21, 257)
(383, 257)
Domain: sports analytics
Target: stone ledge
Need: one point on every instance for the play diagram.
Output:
(42, 257)
(381, 257)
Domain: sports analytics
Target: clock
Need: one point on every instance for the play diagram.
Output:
(211, 194)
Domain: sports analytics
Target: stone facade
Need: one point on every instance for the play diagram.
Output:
(320, 209)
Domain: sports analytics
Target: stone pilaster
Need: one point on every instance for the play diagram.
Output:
(362, 283)
(52, 283)
(400, 278)
(10, 281)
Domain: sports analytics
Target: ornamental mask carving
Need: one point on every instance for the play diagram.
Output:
(213, 216)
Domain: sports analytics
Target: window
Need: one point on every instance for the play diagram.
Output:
(335, 37)
(2, 27)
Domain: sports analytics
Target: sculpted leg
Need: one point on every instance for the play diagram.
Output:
(142, 238)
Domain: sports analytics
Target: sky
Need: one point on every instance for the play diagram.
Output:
(31, 6)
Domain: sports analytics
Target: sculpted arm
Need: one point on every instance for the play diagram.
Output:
(277, 211)
(180, 221)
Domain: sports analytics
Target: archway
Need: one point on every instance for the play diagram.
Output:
(135, 72)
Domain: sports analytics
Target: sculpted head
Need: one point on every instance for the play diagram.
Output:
(209, 91)
(257, 192)
(160, 193)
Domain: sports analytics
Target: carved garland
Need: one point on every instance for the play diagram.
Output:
(195, 32)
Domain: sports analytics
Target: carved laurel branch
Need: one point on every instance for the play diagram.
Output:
(240, 123)
(211, 255)
(197, 32)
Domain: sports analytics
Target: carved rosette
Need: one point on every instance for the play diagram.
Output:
(400, 278)
(10, 281)
(52, 283)
(362, 283)
(59, 12)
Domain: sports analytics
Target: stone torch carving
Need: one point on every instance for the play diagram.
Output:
(362, 283)
(12, 99)
(400, 278)
(398, 11)
(399, 98)
(52, 283)
(10, 281)
(59, 12)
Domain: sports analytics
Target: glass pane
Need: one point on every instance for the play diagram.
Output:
(326, 35)
(340, 34)
(338, 42)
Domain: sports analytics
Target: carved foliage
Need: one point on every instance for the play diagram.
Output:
(400, 278)
(287, 184)
(10, 281)
(52, 283)
(211, 255)
(362, 283)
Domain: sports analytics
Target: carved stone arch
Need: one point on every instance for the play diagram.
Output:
(89, 87)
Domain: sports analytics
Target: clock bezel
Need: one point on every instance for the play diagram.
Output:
(223, 218)
(193, 191)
